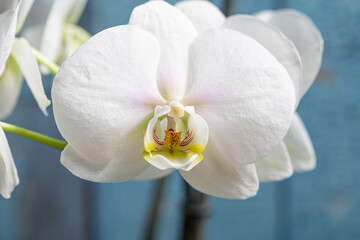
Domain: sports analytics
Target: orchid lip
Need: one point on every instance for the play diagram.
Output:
(172, 137)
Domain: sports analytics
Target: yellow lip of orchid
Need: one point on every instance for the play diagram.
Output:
(169, 148)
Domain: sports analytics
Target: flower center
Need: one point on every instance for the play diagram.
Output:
(175, 137)
(172, 139)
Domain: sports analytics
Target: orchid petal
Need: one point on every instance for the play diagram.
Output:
(106, 120)
(35, 22)
(275, 167)
(217, 176)
(275, 42)
(24, 9)
(8, 16)
(77, 9)
(165, 160)
(203, 14)
(306, 37)
(38, 13)
(33, 35)
(10, 86)
(149, 141)
(8, 174)
(300, 147)
(53, 30)
(175, 33)
(7, 5)
(200, 129)
(123, 167)
(152, 173)
(265, 15)
(244, 94)
(29, 67)
(75, 36)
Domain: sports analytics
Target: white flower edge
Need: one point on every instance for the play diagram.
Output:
(307, 38)
(24, 9)
(10, 87)
(275, 167)
(8, 173)
(300, 147)
(18, 61)
(7, 28)
(295, 154)
(205, 15)
(29, 67)
(62, 12)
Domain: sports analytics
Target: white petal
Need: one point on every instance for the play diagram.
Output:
(127, 165)
(275, 167)
(165, 160)
(300, 147)
(104, 93)
(203, 14)
(8, 174)
(217, 176)
(265, 15)
(175, 33)
(77, 9)
(53, 31)
(38, 14)
(25, 6)
(75, 36)
(7, 5)
(153, 173)
(9, 11)
(33, 34)
(149, 141)
(10, 86)
(29, 67)
(244, 94)
(306, 37)
(275, 42)
(200, 128)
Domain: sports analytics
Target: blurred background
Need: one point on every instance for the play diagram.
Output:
(51, 203)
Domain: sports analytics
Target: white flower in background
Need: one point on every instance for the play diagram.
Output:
(53, 29)
(308, 40)
(207, 104)
(16, 59)
(295, 41)
(8, 174)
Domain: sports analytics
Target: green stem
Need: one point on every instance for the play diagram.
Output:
(41, 58)
(49, 141)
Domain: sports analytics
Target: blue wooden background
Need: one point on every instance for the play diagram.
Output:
(50, 203)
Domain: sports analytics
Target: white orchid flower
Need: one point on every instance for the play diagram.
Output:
(295, 41)
(53, 28)
(16, 59)
(140, 100)
(8, 174)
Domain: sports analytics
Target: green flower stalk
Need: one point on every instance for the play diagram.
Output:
(37, 137)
